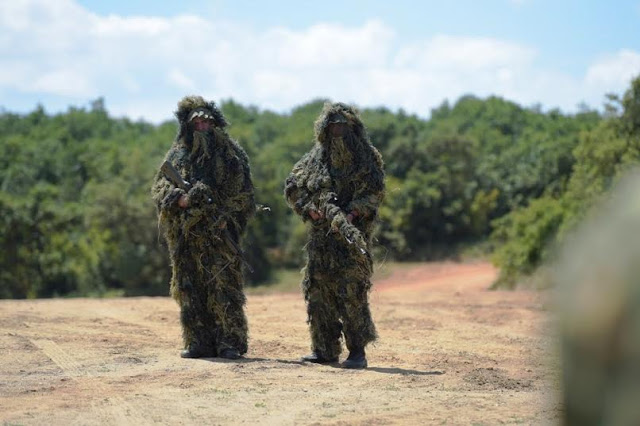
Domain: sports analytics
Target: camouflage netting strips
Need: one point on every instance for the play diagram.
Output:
(341, 174)
(207, 276)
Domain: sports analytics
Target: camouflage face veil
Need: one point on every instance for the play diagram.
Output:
(196, 114)
(338, 120)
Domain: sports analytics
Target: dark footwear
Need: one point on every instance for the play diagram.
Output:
(356, 360)
(195, 351)
(230, 353)
(318, 358)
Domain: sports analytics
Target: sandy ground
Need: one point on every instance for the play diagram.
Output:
(450, 352)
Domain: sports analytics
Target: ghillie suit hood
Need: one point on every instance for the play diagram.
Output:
(194, 104)
(342, 174)
(344, 171)
(339, 113)
(207, 275)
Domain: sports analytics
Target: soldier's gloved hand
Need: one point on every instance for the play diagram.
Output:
(224, 221)
(200, 194)
(315, 214)
(172, 198)
(183, 201)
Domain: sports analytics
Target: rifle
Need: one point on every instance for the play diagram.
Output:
(176, 178)
(339, 222)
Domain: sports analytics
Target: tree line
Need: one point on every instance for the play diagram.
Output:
(485, 174)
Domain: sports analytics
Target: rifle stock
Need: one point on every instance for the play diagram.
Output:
(338, 221)
(174, 176)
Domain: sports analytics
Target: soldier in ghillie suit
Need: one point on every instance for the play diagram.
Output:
(337, 187)
(207, 280)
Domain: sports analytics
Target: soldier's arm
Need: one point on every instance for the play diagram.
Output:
(165, 194)
(370, 192)
(240, 205)
(298, 196)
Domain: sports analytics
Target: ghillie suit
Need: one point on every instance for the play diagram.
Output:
(207, 276)
(340, 181)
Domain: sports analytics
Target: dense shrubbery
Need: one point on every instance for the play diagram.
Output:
(524, 239)
(77, 218)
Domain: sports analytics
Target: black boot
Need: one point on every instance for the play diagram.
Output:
(230, 353)
(194, 350)
(356, 359)
(317, 358)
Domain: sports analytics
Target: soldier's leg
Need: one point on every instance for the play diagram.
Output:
(323, 318)
(193, 317)
(226, 301)
(359, 329)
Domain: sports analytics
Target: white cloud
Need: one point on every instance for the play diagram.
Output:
(118, 27)
(177, 78)
(66, 82)
(143, 65)
(329, 46)
(470, 53)
(614, 71)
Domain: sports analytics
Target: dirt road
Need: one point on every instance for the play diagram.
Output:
(450, 352)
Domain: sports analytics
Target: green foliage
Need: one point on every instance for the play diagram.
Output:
(523, 238)
(430, 206)
(600, 158)
(77, 218)
(74, 201)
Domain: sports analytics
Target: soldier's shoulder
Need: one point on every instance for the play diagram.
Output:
(377, 157)
(314, 154)
(172, 153)
(374, 161)
(238, 149)
(175, 152)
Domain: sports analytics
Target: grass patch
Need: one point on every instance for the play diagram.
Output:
(288, 280)
(283, 281)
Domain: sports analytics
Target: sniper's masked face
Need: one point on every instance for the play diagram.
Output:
(200, 124)
(339, 141)
(200, 120)
(338, 126)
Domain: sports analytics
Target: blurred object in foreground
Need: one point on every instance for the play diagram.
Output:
(598, 280)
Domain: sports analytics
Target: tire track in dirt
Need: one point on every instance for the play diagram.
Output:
(62, 359)
(118, 409)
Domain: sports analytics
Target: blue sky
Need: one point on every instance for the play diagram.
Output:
(142, 56)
